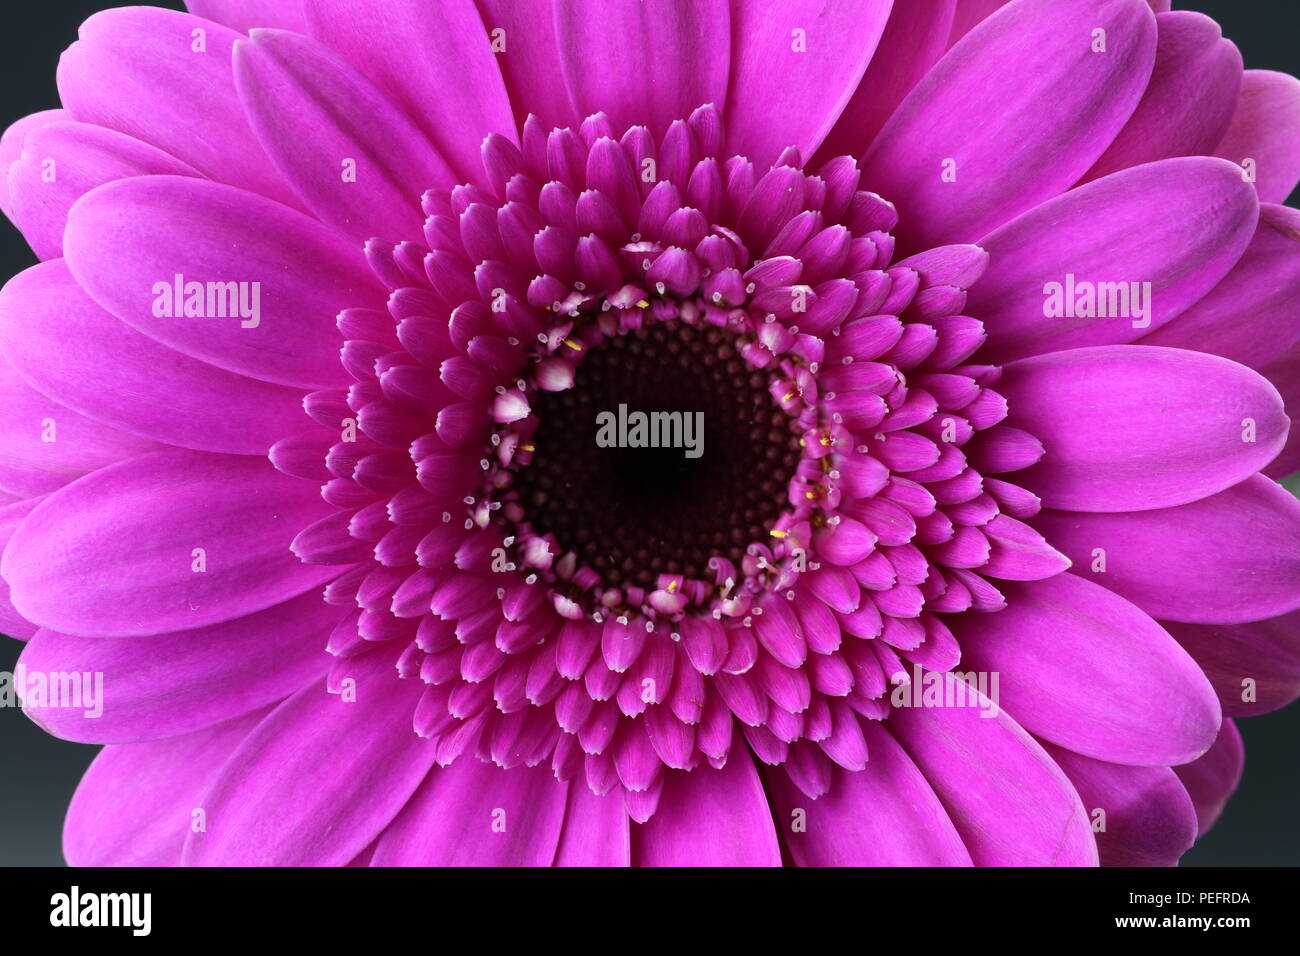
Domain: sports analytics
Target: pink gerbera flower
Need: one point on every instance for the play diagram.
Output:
(955, 331)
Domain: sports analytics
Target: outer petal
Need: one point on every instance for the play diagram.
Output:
(165, 685)
(782, 49)
(1179, 225)
(1266, 129)
(1190, 100)
(44, 445)
(146, 72)
(136, 803)
(271, 804)
(473, 813)
(11, 147)
(1148, 817)
(63, 161)
(1255, 667)
(356, 161)
(143, 518)
(433, 60)
(650, 62)
(1087, 670)
(710, 818)
(1132, 427)
(915, 37)
(885, 815)
(1018, 110)
(127, 241)
(1229, 558)
(69, 348)
(970, 14)
(243, 15)
(1284, 372)
(1249, 316)
(596, 830)
(1211, 780)
(13, 624)
(1010, 803)
(528, 62)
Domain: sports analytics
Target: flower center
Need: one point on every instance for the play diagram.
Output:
(666, 454)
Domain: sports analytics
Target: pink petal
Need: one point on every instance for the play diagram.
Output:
(1249, 316)
(915, 37)
(528, 62)
(1019, 553)
(165, 685)
(1266, 128)
(1284, 372)
(473, 813)
(885, 815)
(1188, 563)
(1010, 803)
(1087, 670)
(782, 50)
(1132, 427)
(12, 623)
(136, 804)
(73, 350)
(125, 238)
(970, 14)
(434, 61)
(271, 805)
(1179, 224)
(44, 445)
(144, 518)
(643, 63)
(1211, 780)
(356, 161)
(1190, 100)
(1021, 106)
(595, 831)
(11, 147)
(242, 15)
(134, 70)
(1149, 818)
(1254, 667)
(710, 818)
(78, 157)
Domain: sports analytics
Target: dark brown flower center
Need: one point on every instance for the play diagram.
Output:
(698, 465)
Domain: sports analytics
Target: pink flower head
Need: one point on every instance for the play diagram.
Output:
(832, 433)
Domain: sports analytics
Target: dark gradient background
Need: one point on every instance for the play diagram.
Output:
(38, 773)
